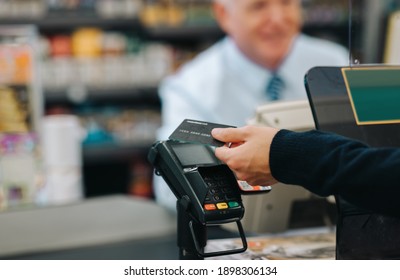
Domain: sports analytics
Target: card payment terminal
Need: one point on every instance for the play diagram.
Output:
(207, 187)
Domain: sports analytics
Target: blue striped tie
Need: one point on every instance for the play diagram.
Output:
(274, 87)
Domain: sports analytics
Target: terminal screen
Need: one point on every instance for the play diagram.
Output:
(193, 154)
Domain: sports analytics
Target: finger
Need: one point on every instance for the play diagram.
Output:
(227, 134)
(222, 153)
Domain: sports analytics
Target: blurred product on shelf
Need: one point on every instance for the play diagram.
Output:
(15, 62)
(59, 46)
(36, 9)
(13, 112)
(70, 5)
(175, 13)
(20, 79)
(87, 42)
(140, 184)
(94, 58)
(323, 12)
(162, 13)
(96, 134)
(62, 137)
(22, 8)
(198, 12)
(119, 8)
(21, 176)
(114, 44)
(119, 126)
(151, 12)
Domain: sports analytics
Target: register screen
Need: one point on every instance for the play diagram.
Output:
(374, 94)
(334, 111)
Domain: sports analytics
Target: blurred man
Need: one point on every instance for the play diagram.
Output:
(263, 58)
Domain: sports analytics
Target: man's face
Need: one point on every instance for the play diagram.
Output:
(263, 29)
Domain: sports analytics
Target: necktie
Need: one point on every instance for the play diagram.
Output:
(274, 87)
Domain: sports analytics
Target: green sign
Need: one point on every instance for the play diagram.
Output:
(374, 94)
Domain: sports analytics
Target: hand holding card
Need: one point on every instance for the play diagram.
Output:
(197, 132)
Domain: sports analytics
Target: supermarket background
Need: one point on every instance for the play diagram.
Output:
(101, 61)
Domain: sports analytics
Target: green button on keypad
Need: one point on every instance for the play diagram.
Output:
(233, 204)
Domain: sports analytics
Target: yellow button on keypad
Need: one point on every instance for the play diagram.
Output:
(222, 205)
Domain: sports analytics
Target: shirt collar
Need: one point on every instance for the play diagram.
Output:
(291, 61)
(254, 75)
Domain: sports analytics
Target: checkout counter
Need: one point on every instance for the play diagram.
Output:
(112, 227)
(122, 228)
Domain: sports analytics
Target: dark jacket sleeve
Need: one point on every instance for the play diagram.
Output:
(327, 164)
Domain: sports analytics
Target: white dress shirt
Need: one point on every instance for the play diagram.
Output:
(221, 85)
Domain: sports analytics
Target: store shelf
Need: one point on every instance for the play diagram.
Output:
(95, 153)
(57, 23)
(62, 23)
(190, 32)
(337, 31)
(326, 26)
(147, 94)
(66, 22)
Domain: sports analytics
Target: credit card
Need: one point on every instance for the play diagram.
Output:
(197, 132)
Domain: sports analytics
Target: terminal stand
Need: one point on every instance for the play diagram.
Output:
(186, 243)
(192, 235)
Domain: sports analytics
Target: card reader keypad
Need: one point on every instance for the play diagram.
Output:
(221, 194)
